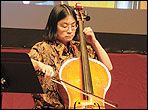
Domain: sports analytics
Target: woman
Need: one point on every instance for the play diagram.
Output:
(57, 47)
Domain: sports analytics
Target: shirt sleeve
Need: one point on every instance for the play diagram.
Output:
(91, 53)
(35, 53)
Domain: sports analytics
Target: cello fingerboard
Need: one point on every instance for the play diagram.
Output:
(86, 74)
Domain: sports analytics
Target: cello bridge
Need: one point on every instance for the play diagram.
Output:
(86, 105)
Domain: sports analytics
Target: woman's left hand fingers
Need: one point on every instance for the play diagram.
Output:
(89, 34)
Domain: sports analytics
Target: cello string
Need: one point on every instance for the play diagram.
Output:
(81, 91)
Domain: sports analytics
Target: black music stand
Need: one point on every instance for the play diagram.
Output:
(19, 73)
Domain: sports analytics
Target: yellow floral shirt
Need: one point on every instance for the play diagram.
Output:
(53, 54)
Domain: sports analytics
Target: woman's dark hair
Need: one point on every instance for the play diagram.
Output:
(58, 13)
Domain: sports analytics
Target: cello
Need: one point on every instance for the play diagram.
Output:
(89, 78)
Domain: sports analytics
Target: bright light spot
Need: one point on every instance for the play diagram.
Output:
(26, 2)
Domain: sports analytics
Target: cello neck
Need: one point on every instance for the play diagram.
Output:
(86, 75)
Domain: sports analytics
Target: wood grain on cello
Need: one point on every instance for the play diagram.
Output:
(89, 75)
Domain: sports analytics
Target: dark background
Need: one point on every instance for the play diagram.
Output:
(112, 42)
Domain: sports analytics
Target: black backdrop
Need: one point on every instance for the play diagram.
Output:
(112, 42)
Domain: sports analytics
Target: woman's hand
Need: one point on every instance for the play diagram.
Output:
(101, 53)
(89, 35)
(48, 70)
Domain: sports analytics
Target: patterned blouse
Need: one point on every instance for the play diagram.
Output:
(53, 54)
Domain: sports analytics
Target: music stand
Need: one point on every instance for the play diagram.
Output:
(19, 73)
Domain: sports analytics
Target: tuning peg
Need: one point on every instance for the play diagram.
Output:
(86, 17)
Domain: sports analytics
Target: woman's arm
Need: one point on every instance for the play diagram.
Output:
(103, 56)
(101, 53)
(47, 69)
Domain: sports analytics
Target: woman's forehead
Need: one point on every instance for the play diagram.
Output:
(68, 20)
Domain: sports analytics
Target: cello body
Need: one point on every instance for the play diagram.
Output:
(86, 74)
(101, 80)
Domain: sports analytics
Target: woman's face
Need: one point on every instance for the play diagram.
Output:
(66, 29)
